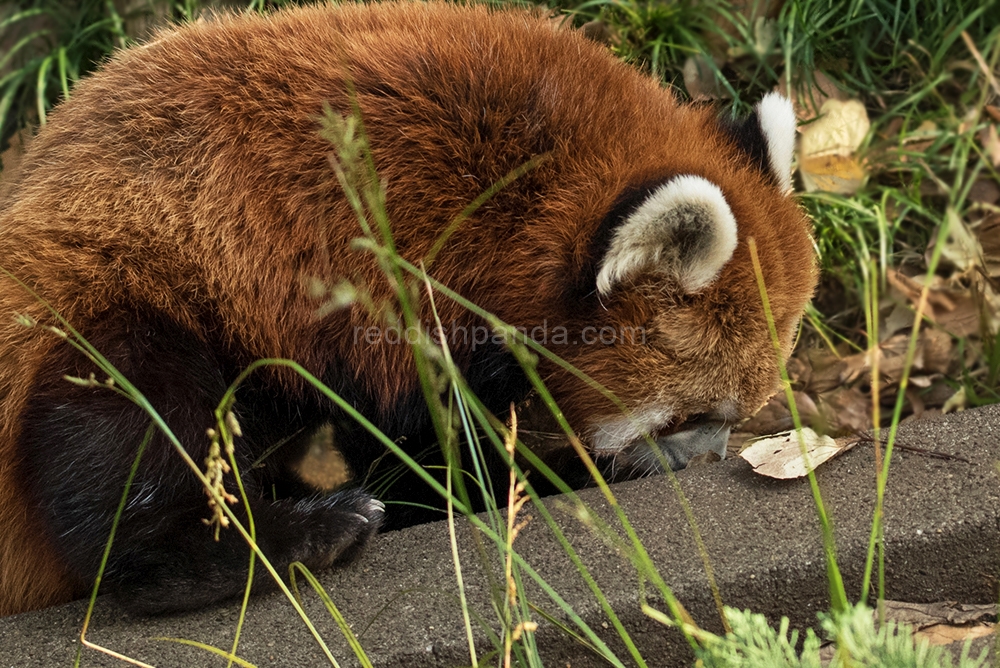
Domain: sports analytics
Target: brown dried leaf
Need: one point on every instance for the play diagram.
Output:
(700, 80)
(945, 622)
(922, 137)
(827, 369)
(951, 305)
(989, 240)
(991, 144)
(899, 318)
(799, 371)
(932, 355)
(942, 634)
(964, 319)
(846, 409)
(941, 299)
(775, 417)
(984, 191)
(961, 248)
(921, 615)
(892, 128)
(892, 357)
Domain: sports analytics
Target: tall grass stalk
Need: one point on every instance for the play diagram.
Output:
(877, 534)
(150, 431)
(838, 595)
(296, 568)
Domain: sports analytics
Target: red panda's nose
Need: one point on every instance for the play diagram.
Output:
(697, 435)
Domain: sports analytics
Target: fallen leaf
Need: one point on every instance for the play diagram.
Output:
(955, 402)
(922, 137)
(840, 129)
(846, 409)
(969, 120)
(700, 80)
(839, 174)
(984, 191)
(989, 241)
(899, 318)
(943, 634)
(961, 248)
(775, 417)
(921, 615)
(799, 371)
(954, 309)
(945, 622)
(828, 147)
(991, 144)
(891, 355)
(827, 370)
(781, 456)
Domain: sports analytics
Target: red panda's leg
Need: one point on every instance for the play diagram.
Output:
(76, 447)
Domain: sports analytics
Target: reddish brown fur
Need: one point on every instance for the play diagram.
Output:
(188, 175)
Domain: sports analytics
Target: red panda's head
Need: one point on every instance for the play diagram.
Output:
(675, 326)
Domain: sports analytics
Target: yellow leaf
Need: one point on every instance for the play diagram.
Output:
(832, 173)
(840, 129)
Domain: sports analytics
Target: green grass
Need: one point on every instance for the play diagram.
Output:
(906, 61)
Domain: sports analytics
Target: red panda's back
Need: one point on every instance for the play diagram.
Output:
(189, 178)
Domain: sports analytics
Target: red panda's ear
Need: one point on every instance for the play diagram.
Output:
(778, 124)
(767, 138)
(683, 228)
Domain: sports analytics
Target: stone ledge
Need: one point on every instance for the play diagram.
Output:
(943, 521)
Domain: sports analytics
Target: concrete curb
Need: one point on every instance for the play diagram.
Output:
(943, 543)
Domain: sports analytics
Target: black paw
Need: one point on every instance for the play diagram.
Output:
(188, 569)
(329, 529)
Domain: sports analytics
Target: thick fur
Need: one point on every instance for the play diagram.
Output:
(177, 208)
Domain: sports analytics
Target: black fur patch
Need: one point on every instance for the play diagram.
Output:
(747, 135)
(77, 445)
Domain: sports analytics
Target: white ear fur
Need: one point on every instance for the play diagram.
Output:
(684, 229)
(778, 123)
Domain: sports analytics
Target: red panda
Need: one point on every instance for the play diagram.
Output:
(177, 206)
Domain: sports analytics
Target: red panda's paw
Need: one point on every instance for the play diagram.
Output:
(190, 570)
(329, 529)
